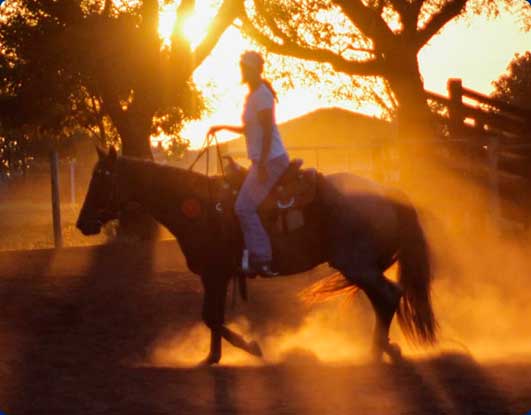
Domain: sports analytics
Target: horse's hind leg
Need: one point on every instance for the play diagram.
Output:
(384, 296)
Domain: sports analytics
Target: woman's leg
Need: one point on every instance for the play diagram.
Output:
(252, 194)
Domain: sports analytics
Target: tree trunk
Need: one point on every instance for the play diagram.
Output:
(414, 117)
(415, 121)
(134, 128)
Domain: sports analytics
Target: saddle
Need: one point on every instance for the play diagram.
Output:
(295, 189)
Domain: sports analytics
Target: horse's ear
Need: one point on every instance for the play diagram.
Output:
(113, 155)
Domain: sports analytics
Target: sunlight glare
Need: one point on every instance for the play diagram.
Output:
(196, 25)
(193, 30)
(167, 18)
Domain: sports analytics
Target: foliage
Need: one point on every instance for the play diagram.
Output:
(378, 39)
(514, 86)
(100, 66)
(355, 36)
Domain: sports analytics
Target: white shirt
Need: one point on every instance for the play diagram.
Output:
(259, 100)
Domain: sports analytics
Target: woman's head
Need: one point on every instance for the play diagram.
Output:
(252, 65)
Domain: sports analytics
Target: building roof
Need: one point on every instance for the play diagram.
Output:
(327, 127)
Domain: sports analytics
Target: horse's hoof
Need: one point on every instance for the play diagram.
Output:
(209, 361)
(394, 352)
(255, 349)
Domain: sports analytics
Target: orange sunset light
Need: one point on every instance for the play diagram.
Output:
(475, 49)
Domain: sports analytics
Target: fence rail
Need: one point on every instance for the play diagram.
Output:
(504, 130)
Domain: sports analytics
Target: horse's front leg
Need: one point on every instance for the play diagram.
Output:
(238, 341)
(215, 287)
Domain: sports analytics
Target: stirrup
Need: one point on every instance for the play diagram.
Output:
(252, 270)
(264, 270)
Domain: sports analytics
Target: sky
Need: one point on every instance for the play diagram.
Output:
(475, 49)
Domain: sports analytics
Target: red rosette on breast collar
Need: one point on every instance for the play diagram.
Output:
(191, 208)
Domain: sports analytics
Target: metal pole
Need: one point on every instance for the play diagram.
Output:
(56, 203)
(73, 182)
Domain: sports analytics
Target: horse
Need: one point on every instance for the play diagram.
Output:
(359, 227)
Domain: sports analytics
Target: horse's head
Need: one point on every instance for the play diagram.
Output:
(101, 202)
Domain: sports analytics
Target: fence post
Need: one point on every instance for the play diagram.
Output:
(56, 204)
(455, 109)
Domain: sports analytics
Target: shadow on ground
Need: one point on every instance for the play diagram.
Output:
(73, 344)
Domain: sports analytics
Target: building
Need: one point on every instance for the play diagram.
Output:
(330, 139)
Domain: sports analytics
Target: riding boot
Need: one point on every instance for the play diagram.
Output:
(252, 267)
(264, 269)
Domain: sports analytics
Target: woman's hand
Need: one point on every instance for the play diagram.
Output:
(214, 129)
(232, 128)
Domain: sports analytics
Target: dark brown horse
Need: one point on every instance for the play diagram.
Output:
(353, 224)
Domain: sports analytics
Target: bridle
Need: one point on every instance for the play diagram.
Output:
(112, 207)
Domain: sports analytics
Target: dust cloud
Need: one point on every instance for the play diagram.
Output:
(480, 291)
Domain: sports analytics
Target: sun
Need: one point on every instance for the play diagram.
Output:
(167, 18)
(194, 26)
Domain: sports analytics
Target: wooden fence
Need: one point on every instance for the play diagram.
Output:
(498, 135)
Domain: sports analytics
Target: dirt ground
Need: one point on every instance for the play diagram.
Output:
(81, 333)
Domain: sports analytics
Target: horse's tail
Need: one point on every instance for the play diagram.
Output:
(327, 288)
(415, 313)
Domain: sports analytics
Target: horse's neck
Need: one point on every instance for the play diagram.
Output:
(163, 193)
(161, 190)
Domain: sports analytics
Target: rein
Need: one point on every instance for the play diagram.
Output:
(205, 148)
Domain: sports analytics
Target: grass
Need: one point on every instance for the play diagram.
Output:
(26, 225)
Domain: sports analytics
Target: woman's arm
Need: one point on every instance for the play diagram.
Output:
(238, 129)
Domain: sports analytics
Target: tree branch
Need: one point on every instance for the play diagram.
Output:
(371, 67)
(150, 15)
(228, 12)
(369, 21)
(400, 6)
(270, 21)
(107, 8)
(450, 10)
(409, 15)
(185, 9)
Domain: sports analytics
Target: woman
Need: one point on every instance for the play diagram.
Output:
(269, 160)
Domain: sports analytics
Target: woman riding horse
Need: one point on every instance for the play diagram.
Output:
(268, 156)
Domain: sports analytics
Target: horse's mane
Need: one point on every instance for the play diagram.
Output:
(168, 178)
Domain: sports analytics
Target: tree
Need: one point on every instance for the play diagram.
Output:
(101, 65)
(379, 38)
(95, 64)
(514, 86)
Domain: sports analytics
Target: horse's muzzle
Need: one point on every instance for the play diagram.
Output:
(89, 228)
